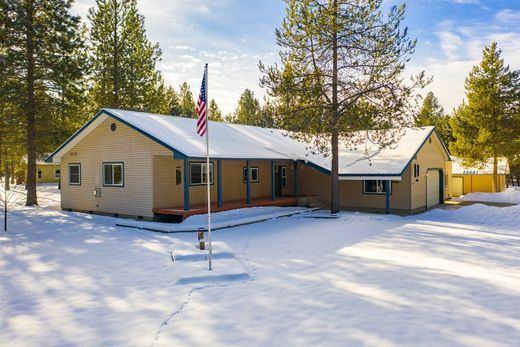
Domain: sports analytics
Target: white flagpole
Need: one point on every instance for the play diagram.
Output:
(207, 167)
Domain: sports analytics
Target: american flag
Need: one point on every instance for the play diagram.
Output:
(201, 108)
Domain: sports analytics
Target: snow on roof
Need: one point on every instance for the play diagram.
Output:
(236, 141)
(459, 169)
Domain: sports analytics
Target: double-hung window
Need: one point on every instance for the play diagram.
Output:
(375, 187)
(253, 174)
(113, 174)
(198, 173)
(75, 174)
(416, 170)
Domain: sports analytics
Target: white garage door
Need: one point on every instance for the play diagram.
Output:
(457, 185)
(432, 188)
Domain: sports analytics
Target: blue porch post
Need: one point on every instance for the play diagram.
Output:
(248, 182)
(387, 196)
(219, 182)
(186, 185)
(273, 182)
(295, 168)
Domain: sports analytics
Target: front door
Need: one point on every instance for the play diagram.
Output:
(278, 180)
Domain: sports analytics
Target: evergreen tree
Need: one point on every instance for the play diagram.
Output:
(165, 100)
(432, 113)
(40, 49)
(248, 110)
(186, 102)
(487, 125)
(338, 57)
(123, 59)
(214, 112)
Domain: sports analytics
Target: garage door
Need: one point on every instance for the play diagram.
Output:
(432, 188)
(457, 186)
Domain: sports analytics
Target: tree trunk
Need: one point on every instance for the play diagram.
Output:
(30, 111)
(6, 175)
(13, 174)
(115, 85)
(334, 174)
(494, 185)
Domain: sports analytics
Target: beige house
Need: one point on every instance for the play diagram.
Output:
(149, 166)
(46, 172)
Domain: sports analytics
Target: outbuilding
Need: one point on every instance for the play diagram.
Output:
(467, 179)
(150, 166)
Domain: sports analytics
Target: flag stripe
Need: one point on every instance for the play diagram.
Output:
(201, 108)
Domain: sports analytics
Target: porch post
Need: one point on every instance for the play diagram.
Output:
(219, 182)
(295, 168)
(186, 185)
(248, 182)
(387, 196)
(273, 182)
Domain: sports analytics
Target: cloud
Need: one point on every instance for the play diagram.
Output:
(466, 1)
(508, 15)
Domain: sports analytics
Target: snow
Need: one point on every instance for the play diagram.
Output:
(441, 278)
(235, 141)
(510, 196)
(225, 219)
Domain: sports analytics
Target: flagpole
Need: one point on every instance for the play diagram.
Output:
(207, 168)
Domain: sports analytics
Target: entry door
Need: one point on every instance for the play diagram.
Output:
(432, 188)
(278, 180)
(457, 186)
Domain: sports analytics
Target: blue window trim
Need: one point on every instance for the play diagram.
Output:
(122, 173)
(78, 165)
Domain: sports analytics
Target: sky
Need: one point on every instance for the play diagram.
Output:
(232, 36)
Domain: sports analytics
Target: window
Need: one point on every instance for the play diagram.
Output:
(284, 176)
(40, 174)
(74, 174)
(198, 173)
(113, 174)
(254, 174)
(375, 187)
(57, 173)
(416, 170)
(178, 176)
(445, 180)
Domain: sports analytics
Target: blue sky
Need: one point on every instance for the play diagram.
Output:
(233, 35)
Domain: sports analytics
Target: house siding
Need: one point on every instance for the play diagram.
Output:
(103, 145)
(430, 156)
(48, 173)
(481, 183)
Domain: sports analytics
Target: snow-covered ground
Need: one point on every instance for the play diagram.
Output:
(441, 278)
(509, 196)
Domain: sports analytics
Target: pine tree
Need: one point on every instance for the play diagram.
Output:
(123, 59)
(338, 57)
(432, 113)
(41, 46)
(214, 112)
(186, 102)
(248, 110)
(487, 125)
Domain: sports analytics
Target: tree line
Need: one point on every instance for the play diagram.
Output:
(56, 72)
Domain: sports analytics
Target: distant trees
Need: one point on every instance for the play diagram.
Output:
(124, 73)
(214, 112)
(186, 102)
(488, 125)
(341, 71)
(432, 113)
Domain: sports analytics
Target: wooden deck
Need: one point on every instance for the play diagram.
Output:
(228, 205)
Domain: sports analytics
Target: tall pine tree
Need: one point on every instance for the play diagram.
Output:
(432, 113)
(214, 112)
(41, 45)
(487, 126)
(338, 57)
(186, 102)
(124, 61)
